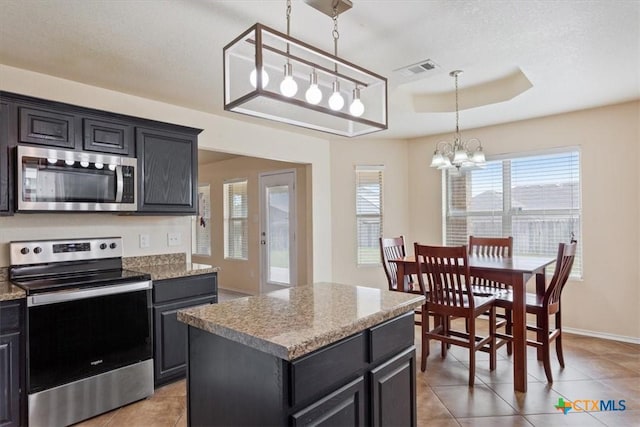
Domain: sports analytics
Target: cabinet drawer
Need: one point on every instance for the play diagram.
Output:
(391, 337)
(10, 316)
(319, 372)
(46, 128)
(184, 287)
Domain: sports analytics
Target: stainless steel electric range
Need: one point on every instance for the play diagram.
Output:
(89, 331)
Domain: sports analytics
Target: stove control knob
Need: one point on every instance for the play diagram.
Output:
(37, 250)
(24, 251)
(113, 246)
(103, 246)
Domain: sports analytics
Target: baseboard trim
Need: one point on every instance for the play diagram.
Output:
(602, 335)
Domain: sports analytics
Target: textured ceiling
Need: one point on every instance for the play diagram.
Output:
(576, 54)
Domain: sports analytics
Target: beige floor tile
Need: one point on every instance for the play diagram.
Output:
(176, 389)
(506, 421)
(479, 401)
(540, 398)
(571, 419)
(626, 418)
(99, 421)
(157, 412)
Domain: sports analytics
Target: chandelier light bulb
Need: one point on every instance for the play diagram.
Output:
(112, 167)
(357, 107)
(313, 95)
(69, 162)
(336, 101)
(52, 160)
(288, 86)
(98, 165)
(253, 78)
(84, 164)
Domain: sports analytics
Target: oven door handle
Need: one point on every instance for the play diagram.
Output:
(77, 294)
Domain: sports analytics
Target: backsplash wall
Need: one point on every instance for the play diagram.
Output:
(40, 226)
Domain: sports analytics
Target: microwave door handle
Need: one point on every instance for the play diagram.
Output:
(119, 184)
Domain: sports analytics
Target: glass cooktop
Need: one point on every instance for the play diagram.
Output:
(49, 283)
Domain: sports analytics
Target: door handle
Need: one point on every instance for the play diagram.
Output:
(263, 242)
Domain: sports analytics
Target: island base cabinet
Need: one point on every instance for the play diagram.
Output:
(393, 384)
(356, 381)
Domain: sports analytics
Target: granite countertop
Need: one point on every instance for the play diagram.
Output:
(170, 271)
(166, 266)
(292, 322)
(8, 291)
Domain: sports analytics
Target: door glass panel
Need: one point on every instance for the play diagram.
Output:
(278, 232)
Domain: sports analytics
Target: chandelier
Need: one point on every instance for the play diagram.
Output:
(463, 155)
(264, 69)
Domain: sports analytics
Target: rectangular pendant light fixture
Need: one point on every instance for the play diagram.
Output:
(321, 91)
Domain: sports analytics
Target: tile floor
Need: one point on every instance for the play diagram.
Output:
(595, 369)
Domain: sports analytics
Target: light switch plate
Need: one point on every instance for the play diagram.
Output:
(145, 241)
(174, 239)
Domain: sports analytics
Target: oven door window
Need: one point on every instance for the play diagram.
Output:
(52, 180)
(72, 340)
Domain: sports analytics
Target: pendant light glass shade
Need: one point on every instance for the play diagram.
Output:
(288, 87)
(262, 48)
(313, 94)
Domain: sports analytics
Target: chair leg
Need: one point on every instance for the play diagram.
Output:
(472, 351)
(446, 325)
(559, 340)
(492, 334)
(509, 329)
(546, 350)
(425, 338)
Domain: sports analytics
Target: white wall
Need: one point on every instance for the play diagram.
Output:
(606, 300)
(220, 133)
(345, 155)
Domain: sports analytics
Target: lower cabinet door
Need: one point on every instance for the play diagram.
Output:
(344, 407)
(9, 377)
(170, 339)
(393, 391)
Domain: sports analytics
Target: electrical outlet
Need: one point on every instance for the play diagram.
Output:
(174, 239)
(145, 241)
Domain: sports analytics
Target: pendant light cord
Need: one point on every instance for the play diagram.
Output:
(288, 25)
(336, 35)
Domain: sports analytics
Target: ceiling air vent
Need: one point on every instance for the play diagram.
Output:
(415, 69)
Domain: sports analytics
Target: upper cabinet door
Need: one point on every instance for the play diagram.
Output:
(46, 128)
(169, 171)
(4, 159)
(107, 136)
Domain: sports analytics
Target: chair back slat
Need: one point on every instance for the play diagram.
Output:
(391, 248)
(491, 246)
(444, 275)
(564, 263)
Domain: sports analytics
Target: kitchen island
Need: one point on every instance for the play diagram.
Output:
(319, 354)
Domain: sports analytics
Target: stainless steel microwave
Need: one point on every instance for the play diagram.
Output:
(63, 180)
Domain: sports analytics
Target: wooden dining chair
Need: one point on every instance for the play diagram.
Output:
(393, 248)
(445, 281)
(493, 247)
(543, 307)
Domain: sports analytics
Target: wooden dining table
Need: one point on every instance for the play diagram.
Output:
(514, 271)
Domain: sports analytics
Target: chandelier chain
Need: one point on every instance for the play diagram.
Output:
(288, 16)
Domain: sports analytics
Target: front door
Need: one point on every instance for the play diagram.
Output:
(277, 230)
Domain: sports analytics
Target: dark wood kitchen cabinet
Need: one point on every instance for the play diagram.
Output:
(12, 373)
(168, 162)
(5, 177)
(170, 335)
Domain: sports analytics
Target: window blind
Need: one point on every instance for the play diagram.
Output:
(534, 198)
(235, 219)
(368, 214)
(202, 222)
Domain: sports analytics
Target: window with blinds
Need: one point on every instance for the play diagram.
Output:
(202, 223)
(534, 198)
(236, 227)
(368, 214)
